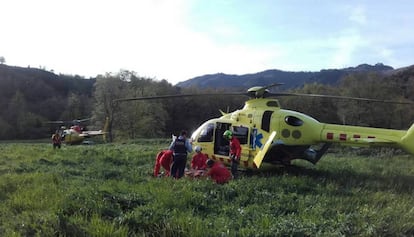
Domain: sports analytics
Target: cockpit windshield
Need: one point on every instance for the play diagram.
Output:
(205, 133)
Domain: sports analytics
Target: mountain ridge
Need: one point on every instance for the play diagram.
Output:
(290, 79)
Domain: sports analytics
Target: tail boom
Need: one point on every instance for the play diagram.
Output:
(366, 136)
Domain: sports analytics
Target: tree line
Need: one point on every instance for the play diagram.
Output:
(396, 87)
(156, 118)
(26, 104)
(153, 118)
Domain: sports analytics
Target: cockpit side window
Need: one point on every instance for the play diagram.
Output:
(266, 119)
(241, 133)
(206, 134)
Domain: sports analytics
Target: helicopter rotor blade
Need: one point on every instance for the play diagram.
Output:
(180, 96)
(262, 92)
(338, 97)
(75, 121)
(56, 122)
(253, 92)
(82, 120)
(273, 85)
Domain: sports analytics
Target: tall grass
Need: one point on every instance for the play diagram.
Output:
(107, 190)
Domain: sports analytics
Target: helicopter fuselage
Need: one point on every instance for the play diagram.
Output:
(271, 135)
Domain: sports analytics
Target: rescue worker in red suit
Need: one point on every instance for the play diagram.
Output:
(235, 151)
(56, 140)
(218, 172)
(181, 146)
(198, 162)
(164, 159)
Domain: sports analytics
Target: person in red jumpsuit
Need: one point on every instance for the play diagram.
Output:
(218, 172)
(198, 162)
(56, 140)
(164, 159)
(235, 151)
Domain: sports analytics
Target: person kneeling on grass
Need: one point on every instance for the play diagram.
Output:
(198, 163)
(218, 172)
(164, 159)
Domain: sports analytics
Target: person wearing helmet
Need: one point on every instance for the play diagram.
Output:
(181, 146)
(163, 159)
(198, 162)
(218, 172)
(235, 151)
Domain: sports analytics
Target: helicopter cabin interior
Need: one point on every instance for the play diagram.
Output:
(213, 132)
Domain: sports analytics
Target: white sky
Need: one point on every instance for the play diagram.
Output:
(180, 39)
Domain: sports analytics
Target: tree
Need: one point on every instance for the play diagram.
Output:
(143, 118)
(2, 60)
(16, 113)
(107, 89)
(368, 85)
(5, 129)
(77, 107)
(25, 124)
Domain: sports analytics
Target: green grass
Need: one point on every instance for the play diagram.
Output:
(107, 190)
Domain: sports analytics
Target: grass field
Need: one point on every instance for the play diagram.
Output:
(107, 190)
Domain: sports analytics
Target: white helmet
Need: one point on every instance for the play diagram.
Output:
(198, 149)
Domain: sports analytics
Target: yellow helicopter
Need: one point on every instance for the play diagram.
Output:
(270, 135)
(76, 134)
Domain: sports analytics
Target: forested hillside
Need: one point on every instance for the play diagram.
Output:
(31, 97)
